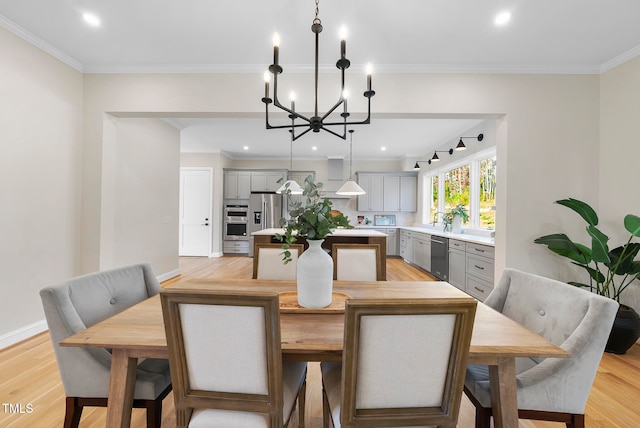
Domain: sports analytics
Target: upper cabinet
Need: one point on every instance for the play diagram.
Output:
(237, 184)
(267, 181)
(388, 191)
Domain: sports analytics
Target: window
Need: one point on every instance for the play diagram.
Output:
(470, 182)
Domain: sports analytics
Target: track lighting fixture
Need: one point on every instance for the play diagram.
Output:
(436, 158)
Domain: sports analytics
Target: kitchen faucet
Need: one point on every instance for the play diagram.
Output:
(435, 217)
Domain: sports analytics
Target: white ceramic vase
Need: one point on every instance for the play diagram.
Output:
(315, 276)
(456, 224)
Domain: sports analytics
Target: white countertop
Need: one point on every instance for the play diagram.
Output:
(337, 232)
(478, 239)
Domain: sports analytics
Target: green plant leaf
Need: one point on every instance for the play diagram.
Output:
(599, 248)
(624, 264)
(560, 244)
(582, 208)
(578, 284)
(632, 224)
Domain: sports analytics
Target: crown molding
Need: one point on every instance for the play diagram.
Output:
(39, 43)
(620, 59)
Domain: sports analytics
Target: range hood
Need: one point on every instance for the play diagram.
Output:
(335, 179)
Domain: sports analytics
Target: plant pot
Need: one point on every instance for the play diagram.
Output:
(625, 331)
(456, 224)
(315, 276)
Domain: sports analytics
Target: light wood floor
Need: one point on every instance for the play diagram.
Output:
(29, 374)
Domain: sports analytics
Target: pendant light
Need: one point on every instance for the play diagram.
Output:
(350, 188)
(290, 186)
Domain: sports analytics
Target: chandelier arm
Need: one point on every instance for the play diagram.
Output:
(338, 104)
(295, 137)
(343, 136)
(288, 110)
(299, 125)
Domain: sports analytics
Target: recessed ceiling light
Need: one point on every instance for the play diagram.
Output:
(502, 18)
(383, 148)
(91, 19)
(246, 147)
(314, 148)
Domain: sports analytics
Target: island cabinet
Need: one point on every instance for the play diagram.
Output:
(471, 267)
(388, 191)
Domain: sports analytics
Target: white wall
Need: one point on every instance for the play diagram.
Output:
(40, 160)
(619, 155)
(140, 194)
(547, 137)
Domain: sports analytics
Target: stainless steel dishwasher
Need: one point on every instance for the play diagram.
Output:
(440, 257)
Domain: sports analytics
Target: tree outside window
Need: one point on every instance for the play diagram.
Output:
(434, 199)
(488, 193)
(457, 188)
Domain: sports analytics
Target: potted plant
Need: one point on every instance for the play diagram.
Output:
(455, 217)
(610, 271)
(314, 220)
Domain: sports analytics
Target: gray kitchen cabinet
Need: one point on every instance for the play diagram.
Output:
(237, 184)
(479, 270)
(422, 251)
(392, 241)
(408, 193)
(391, 193)
(373, 199)
(406, 245)
(266, 181)
(388, 191)
(457, 264)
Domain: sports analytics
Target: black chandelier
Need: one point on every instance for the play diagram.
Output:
(316, 122)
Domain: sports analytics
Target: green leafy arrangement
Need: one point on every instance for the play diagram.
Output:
(313, 219)
(458, 210)
(610, 271)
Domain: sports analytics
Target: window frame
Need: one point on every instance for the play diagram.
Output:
(473, 161)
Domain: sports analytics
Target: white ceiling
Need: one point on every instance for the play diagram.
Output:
(544, 36)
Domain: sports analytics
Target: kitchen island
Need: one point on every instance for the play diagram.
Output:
(339, 236)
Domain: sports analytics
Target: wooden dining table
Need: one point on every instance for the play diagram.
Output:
(314, 335)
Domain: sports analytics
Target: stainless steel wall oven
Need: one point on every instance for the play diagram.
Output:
(236, 222)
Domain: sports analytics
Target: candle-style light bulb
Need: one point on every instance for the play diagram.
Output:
(343, 42)
(292, 95)
(345, 95)
(267, 79)
(369, 69)
(276, 48)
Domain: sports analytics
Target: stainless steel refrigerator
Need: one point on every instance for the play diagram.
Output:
(265, 212)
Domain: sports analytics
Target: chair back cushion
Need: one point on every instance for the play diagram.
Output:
(356, 262)
(79, 303)
(404, 360)
(224, 354)
(269, 263)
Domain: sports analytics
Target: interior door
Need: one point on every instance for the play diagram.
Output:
(195, 212)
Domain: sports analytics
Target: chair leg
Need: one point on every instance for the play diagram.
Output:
(577, 421)
(327, 422)
(483, 417)
(302, 402)
(73, 413)
(154, 413)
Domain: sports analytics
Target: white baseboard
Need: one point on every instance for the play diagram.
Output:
(168, 275)
(216, 255)
(23, 333)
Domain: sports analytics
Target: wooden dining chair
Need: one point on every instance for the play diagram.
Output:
(269, 264)
(226, 362)
(356, 262)
(403, 363)
(551, 389)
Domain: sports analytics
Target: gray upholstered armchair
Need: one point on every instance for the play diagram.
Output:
(578, 321)
(80, 302)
